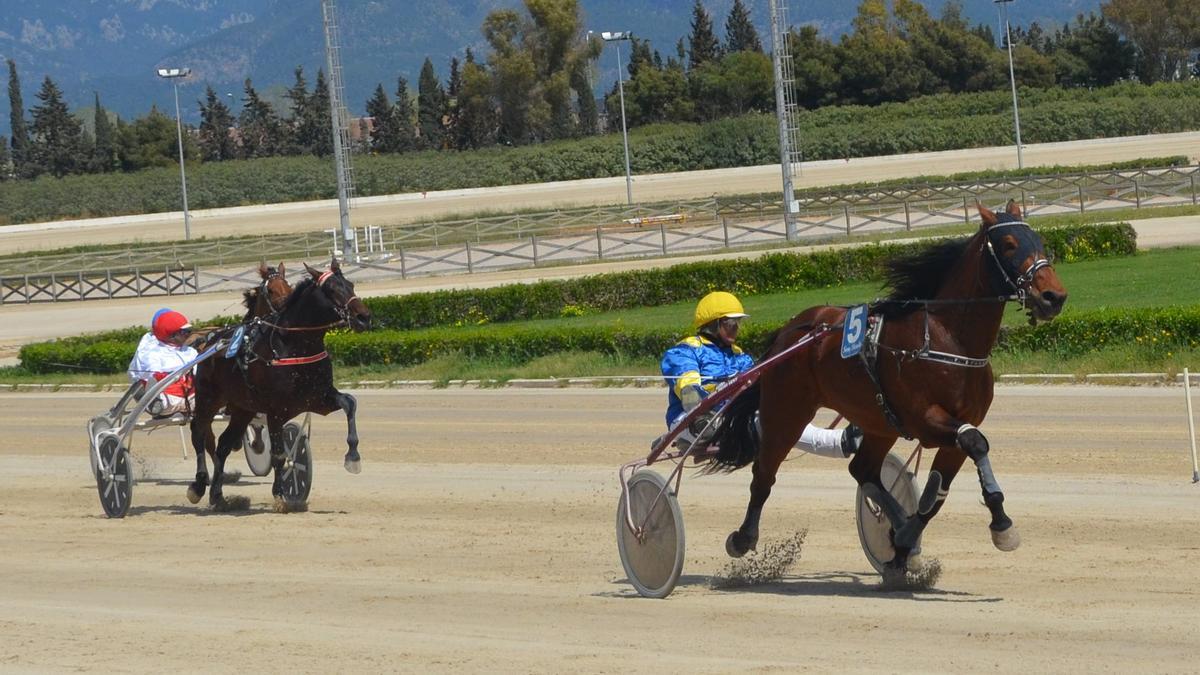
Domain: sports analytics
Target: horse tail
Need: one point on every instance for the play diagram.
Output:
(737, 433)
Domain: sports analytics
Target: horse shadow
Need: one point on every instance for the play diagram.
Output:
(818, 584)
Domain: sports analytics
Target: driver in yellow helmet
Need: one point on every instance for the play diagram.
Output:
(696, 365)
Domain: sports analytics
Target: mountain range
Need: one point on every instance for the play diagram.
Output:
(113, 46)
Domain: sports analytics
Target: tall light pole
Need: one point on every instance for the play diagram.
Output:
(174, 75)
(617, 37)
(1012, 78)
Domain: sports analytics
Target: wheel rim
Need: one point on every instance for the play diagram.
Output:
(874, 528)
(114, 478)
(297, 464)
(654, 560)
(259, 462)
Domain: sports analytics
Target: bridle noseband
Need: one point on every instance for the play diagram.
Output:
(266, 293)
(344, 309)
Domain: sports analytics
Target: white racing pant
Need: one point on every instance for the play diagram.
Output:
(168, 405)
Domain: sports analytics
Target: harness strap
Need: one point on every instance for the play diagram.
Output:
(869, 359)
(299, 360)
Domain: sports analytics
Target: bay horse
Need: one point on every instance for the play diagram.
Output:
(931, 381)
(283, 372)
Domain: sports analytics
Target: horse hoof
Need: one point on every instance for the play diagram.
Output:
(915, 563)
(1007, 540)
(353, 466)
(193, 496)
(738, 544)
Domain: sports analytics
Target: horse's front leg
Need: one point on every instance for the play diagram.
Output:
(974, 444)
(349, 404)
(238, 421)
(203, 443)
(946, 463)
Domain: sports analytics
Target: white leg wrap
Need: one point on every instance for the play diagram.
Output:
(823, 442)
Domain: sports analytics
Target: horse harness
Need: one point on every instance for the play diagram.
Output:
(261, 327)
(869, 354)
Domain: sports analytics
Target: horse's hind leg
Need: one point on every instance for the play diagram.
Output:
(781, 421)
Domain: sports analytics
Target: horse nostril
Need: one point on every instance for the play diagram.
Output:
(1054, 298)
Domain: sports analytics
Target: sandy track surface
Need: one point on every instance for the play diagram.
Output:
(479, 537)
(401, 208)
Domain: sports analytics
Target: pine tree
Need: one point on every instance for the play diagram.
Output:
(56, 144)
(453, 92)
(431, 105)
(740, 34)
(105, 154)
(403, 116)
(260, 127)
(318, 119)
(20, 136)
(702, 43)
(216, 143)
(296, 141)
(383, 132)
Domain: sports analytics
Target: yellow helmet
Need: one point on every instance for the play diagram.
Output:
(717, 305)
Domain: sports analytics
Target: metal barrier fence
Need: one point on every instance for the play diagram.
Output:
(580, 235)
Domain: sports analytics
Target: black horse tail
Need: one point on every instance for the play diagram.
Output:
(737, 433)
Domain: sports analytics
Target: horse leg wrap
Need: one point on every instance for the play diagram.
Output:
(975, 445)
(933, 493)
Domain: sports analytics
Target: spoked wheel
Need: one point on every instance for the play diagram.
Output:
(654, 559)
(95, 426)
(258, 459)
(114, 477)
(297, 464)
(874, 528)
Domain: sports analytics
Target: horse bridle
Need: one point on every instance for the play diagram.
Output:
(344, 310)
(266, 293)
(1020, 284)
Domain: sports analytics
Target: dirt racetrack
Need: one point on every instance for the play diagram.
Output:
(479, 537)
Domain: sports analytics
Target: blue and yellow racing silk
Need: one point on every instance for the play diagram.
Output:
(699, 361)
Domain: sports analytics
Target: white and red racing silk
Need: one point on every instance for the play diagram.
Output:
(155, 359)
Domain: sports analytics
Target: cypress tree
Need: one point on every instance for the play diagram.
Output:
(431, 105)
(383, 132)
(297, 140)
(20, 137)
(402, 115)
(318, 122)
(5, 160)
(105, 153)
(702, 43)
(740, 34)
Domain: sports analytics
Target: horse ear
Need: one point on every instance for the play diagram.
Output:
(282, 272)
(315, 273)
(1013, 209)
(262, 269)
(987, 215)
(334, 266)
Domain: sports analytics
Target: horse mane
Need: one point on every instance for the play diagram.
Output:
(918, 276)
(250, 298)
(298, 292)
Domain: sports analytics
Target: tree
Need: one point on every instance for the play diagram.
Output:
(383, 128)
(740, 34)
(702, 42)
(261, 130)
(1091, 53)
(404, 118)
(453, 92)
(20, 136)
(318, 119)
(56, 143)
(477, 119)
(297, 95)
(104, 155)
(216, 142)
(876, 63)
(737, 83)
(150, 141)
(431, 107)
(948, 56)
(6, 172)
(814, 67)
(1163, 31)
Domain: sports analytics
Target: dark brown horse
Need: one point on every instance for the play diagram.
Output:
(285, 371)
(268, 297)
(931, 380)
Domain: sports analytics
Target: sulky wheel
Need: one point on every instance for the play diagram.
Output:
(114, 477)
(874, 529)
(95, 426)
(653, 560)
(297, 464)
(258, 453)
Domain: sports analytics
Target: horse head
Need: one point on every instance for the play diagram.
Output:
(1021, 264)
(275, 289)
(339, 291)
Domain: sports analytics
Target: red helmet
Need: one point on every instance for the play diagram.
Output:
(168, 323)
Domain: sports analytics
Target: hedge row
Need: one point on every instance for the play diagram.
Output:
(110, 351)
(943, 122)
(771, 273)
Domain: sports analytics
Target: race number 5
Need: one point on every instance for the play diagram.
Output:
(854, 331)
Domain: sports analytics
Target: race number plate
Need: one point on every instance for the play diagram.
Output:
(854, 331)
(235, 342)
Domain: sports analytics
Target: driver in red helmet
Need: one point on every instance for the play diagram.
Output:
(161, 352)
